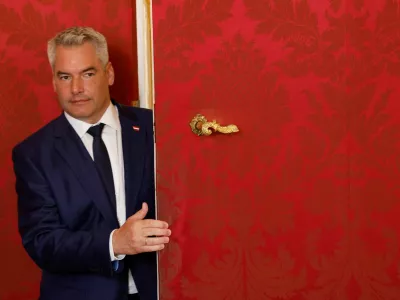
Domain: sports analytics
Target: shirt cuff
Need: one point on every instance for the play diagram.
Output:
(112, 255)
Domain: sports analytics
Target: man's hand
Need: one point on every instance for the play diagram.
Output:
(137, 235)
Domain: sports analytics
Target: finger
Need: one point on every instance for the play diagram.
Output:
(149, 223)
(141, 214)
(151, 248)
(156, 232)
(156, 241)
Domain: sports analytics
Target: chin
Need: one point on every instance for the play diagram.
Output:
(79, 109)
(79, 114)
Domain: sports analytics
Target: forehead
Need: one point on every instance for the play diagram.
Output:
(75, 58)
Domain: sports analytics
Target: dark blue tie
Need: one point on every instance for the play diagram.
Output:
(103, 165)
(102, 161)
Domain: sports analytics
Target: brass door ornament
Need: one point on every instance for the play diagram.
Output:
(201, 127)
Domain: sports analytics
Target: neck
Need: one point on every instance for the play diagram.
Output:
(97, 116)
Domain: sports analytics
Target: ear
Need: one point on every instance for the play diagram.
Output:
(54, 83)
(110, 73)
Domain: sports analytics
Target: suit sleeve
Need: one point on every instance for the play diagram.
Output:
(51, 245)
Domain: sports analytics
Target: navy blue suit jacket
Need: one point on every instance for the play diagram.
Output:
(65, 217)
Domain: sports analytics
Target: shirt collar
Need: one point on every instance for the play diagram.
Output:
(110, 118)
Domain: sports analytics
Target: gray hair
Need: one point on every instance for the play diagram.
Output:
(77, 36)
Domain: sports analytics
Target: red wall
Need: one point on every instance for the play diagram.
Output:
(304, 202)
(27, 100)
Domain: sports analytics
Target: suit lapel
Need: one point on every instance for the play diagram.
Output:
(72, 150)
(132, 144)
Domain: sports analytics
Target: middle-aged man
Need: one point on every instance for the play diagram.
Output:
(85, 184)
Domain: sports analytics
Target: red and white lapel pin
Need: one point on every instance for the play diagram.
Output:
(136, 128)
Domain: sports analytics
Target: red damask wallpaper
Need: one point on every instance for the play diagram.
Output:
(27, 100)
(303, 202)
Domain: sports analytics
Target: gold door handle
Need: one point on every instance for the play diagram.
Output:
(201, 127)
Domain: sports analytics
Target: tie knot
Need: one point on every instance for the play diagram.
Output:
(95, 131)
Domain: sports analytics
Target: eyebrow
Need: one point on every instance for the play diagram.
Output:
(89, 69)
(61, 73)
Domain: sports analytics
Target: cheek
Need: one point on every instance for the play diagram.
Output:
(63, 91)
(95, 88)
(90, 86)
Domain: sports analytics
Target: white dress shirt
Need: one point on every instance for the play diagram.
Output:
(112, 138)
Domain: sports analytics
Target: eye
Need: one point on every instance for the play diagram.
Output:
(88, 75)
(64, 77)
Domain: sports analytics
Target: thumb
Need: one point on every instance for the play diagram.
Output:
(139, 215)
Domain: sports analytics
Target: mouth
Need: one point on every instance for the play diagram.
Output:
(79, 101)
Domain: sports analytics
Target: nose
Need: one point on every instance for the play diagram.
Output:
(77, 86)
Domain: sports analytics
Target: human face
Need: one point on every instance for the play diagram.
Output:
(81, 82)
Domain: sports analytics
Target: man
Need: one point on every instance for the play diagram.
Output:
(85, 184)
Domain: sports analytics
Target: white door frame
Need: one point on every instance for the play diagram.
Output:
(144, 25)
(145, 53)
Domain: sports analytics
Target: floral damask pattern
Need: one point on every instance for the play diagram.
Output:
(303, 202)
(27, 100)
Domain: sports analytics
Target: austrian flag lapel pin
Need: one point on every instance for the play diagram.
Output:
(136, 128)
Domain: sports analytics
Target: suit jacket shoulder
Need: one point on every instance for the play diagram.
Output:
(38, 139)
(139, 114)
(43, 137)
